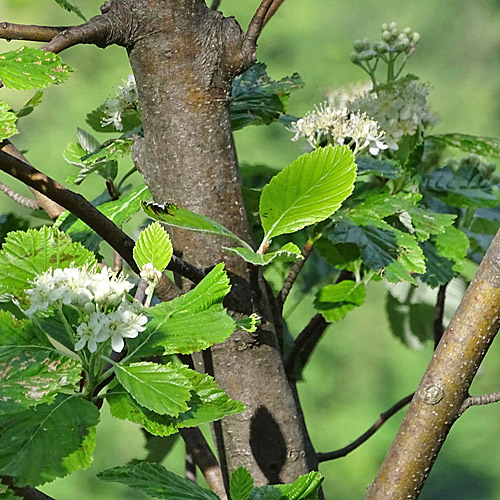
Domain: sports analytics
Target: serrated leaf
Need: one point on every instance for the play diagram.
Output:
(154, 480)
(257, 99)
(303, 487)
(27, 254)
(153, 246)
(248, 324)
(482, 146)
(82, 458)
(28, 68)
(30, 105)
(309, 190)
(453, 245)
(164, 389)
(70, 8)
(241, 484)
(189, 323)
(176, 216)
(8, 121)
(289, 252)
(439, 270)
(15, 332)
(118, 211)
(28, 452)
(380, 168)
(208, 403)
(31, 375)
(335, 301)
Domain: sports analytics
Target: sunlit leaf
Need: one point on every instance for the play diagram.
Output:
(153, 246)
(8, 121)
(289, 252)
(335, 301)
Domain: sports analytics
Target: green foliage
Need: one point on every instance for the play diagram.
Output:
(11, 222)
(153, 245)
(27, 254)
(309, 190)
(207, 403)
(191, 322)
(30, 105)
(28, 453)
(257, 99)
(289, 252)
(157, 482)
(27, 68)
(249, 324)
(70, 7)
(176, 216)
(379, 168)
(241, 484)
(8, 121)
(482, 146)
(335, 301)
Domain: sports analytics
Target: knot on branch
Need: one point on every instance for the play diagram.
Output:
(431, 394)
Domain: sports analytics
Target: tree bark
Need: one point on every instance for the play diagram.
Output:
(184, 57)
(439, 398)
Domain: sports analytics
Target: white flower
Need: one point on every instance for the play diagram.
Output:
(127, 92)
(150, 274)
(108, 288)
(72, 284)
(113, 109)
(41, 295)
(91, 333)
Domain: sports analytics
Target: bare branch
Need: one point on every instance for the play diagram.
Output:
(483, 399)
(205, 459)
(342, 452)
(189, 467)
(254, 29)
(26, 492)
(312, 332)
(292, 275)
(274, 7)
(215, 4)
(29, 32)
(438, 315)
(18, 198)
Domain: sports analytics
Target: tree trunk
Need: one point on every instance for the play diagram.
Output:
(184, 57)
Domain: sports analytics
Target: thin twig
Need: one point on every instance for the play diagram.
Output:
(483, 399)
(315, 328)
(215, 4)
(26, 492)
(29, 32)
(18, 198)
(438, 314)
(254, 29)
(292, 275)
(205, 459)
(189, 467)
(274, 7)
(342, 452)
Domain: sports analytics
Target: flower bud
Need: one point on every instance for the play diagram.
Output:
(407, 30)
(366, 43)
(354, 57)
(395, 32)
(386, 35)
(358, 45)
(393, 26)
(367, 55)
(384, 27)
(415, 37)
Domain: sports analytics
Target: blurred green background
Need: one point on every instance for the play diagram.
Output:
(360, 369)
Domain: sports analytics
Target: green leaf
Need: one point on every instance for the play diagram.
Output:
(11, 222)
(82, 458)
(453, 245)
(15, 332)
(27, 68)
(380, 168)
(153, 246)
(439, 269)
(482, 146)
(189, 323)
(28, 452)
(249, 324)
(335, 301)
(303, 488)
(241, 484)
(154, 480)
(30, 105)
(8, 121)
(31, 375)
(70, 8)
(118, 211)
(257, 99)
(289, 252)
(176, 216)
(164, 389)
(7, 494)
(24, 255)
(309, 190)
(131, 121)
(208, 403)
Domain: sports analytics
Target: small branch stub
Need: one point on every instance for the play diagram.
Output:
(431, 394)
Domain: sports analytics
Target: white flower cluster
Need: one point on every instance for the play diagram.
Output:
(126, 98)
(339, 126)
(100, 298)
(400, 110)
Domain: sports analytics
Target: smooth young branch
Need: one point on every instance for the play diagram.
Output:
(342, 452)
(29, 32)
(483, 399)
(254, 30)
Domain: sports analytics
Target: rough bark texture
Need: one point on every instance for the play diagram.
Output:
(444, 387)
(184, 56)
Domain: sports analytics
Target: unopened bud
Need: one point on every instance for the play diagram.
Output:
(395, 32)
(407, 30)
(393, 26)
(415, 37)
(387, 36)
(384, 27)
(354, 57)
(358, 45)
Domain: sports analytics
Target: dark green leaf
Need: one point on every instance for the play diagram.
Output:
(30, 105)
(257, 99)
(131, 121)
(335, 301)
(28, 68)
(10, 222)
(154, 480)
(439, 269)
(380, 168)
(241, 484)
(28, 452)
(70, 8)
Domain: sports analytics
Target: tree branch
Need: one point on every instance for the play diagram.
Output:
(444, 386)
(438, 315)
(26, 492)
(215, 4)
(254, 30)
(483, 399)
(29, 32)
(312, 332)
(292, 275)
(18, 198)
(274, 7)
(205, 459)
(342, 452)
